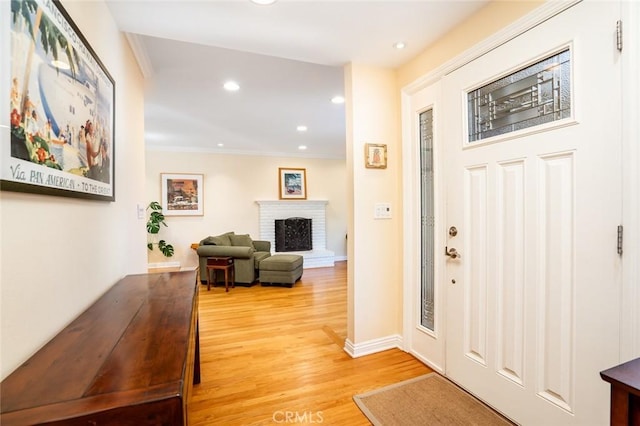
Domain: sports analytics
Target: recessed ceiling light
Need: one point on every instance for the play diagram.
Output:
(400, 45)
(263, 2)
(231, 86)
(337, 100)
(301, 128)
(220, 145)
(302, 147)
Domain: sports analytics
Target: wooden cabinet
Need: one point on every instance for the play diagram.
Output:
(625, 393)
(130, 359)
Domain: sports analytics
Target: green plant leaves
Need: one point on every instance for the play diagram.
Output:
(156, 218)
(166, 249)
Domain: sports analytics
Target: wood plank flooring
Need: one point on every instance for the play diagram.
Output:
(274, 355)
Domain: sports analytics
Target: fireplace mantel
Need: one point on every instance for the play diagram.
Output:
(270, 210)
(293, 203)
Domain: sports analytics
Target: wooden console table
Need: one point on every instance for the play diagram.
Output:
(129, 359)
(625, 393)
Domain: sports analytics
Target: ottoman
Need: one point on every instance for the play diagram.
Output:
(281, 269)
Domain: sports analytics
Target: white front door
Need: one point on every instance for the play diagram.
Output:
(533, 299)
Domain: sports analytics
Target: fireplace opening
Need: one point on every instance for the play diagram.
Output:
(293, 234)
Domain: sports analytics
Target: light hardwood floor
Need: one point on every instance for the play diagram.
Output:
(274, 355)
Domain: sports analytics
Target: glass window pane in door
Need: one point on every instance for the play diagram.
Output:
(427, 220)
(534, 95)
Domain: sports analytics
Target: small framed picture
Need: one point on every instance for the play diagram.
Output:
(375, 156)
(292, 183)
(182, 194)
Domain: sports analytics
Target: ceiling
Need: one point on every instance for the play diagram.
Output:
(287, 58)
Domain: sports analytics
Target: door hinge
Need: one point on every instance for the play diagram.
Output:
(620, 239)
(619, 35)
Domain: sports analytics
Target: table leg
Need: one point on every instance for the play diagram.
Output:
(196, 362)
(619, 415)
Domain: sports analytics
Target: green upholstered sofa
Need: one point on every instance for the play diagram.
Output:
(246, 252)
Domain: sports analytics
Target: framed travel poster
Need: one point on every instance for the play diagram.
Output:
(61, 107)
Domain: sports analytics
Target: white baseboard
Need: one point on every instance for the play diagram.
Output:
(372, 346)
(160, 265)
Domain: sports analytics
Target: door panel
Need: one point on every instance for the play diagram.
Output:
(533, 314)
(556, 280)
(510, 279)
(475, 326)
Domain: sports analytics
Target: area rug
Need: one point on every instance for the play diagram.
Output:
(425, 400)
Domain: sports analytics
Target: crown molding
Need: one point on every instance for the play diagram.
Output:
(139, 51)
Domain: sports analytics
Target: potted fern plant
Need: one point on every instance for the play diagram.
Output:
(156, 219)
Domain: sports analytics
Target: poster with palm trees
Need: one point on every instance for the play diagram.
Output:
(62, 102)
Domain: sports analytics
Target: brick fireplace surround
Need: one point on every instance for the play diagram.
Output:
(311, 209)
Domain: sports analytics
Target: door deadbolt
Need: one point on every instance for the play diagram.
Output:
(453, 231)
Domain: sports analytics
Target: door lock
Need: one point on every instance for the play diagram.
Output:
(453, 231)
(451, 252)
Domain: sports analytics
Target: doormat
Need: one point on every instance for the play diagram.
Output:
(426, 400)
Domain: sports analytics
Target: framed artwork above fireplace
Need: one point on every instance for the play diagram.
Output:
(292, 184)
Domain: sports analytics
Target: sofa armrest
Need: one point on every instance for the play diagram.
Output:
(261, 245)
(221, 251)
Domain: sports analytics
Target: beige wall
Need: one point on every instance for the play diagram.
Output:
(232, 185)
(375, 248)
(57, 255)
(481, 25)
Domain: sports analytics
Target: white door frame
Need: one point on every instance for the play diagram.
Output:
(630, 315)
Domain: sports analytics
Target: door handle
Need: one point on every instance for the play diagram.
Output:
(451, 252)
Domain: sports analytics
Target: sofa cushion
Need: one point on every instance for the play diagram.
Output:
(261, 245)
(241, 240)
(218, 240)
(260, 256)
(209, 241)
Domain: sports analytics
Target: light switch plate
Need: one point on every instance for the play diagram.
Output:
(382, 211)
(140, 210)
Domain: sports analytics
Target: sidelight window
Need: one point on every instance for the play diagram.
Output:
(427, 220)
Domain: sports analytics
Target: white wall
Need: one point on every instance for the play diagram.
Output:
(232, 185)
(58, 255)
(375, 249)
